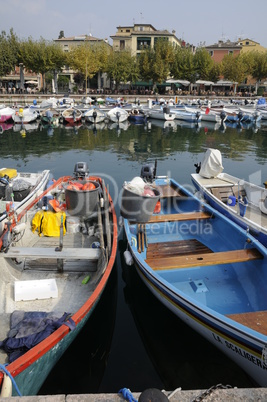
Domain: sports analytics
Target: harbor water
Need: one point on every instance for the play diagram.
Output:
(131, 340)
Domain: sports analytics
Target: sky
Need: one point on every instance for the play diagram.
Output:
(198, 22)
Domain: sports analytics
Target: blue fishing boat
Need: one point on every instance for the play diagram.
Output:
(206, 269)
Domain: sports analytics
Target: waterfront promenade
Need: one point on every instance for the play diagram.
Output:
(226, 395)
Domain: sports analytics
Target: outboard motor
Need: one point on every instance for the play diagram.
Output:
(197, 115)
(166, 110)
(118, 116)
(94, 115)
(240, 116)
(148, 172)
(5, 188)
(222, 116)
(81, 170)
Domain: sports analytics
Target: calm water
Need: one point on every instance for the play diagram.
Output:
(131, 340)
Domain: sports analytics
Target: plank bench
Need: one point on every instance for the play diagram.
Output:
(48, 252)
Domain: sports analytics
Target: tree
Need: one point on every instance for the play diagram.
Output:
(183, 64)
(233, 68)
(61, 35)
(9, 46)
(203, 63)
(155, 64)
(41, 56)
(122, 67)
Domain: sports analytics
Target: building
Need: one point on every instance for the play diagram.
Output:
(221, 49)
(67, 44)
(139, 37)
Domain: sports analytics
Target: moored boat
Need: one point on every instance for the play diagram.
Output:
(18, 189)
(202, 266)
(71, 115)
(57, 256)
(6, 114)
(242, 201)
(94, 115)
(24, 115)
(117, 114)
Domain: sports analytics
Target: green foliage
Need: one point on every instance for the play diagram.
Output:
(9, 45)
(122, 67)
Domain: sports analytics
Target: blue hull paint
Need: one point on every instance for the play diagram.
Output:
(206, 296)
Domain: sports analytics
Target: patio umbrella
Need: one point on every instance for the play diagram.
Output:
(32, 82)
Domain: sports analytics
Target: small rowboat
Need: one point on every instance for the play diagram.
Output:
(206, 269)
(56, 257)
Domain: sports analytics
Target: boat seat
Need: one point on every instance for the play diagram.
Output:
(178, 217)
(222, 193)
(179, 247)
(256, 320)
(48, 252)
(168, 191)
(196, 260)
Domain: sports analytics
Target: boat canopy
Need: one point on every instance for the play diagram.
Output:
(211, 165)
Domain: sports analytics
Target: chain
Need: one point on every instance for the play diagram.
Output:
(206, 393)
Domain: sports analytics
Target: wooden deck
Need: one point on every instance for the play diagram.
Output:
(168, 191)
(256, 320)
(192, 253)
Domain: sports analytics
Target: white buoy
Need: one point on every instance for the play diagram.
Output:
(128, 257)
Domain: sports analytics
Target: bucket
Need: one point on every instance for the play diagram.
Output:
(82, 202)
(231, 200)
(136, 207)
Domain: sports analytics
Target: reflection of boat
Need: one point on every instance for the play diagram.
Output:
(243, 202)
(176, 361)
(5, 127)
(119, 126)
(24, 186)
(204, 268)
(69, 253)
(207, 125)
(117, 115)
(17, 127)
(164, 124)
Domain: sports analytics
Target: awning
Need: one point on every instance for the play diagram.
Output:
(142, 84)
(178, 82)
(201, 82)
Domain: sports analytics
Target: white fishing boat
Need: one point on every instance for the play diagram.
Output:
(117, 114)
(18, 189)
(243, 202)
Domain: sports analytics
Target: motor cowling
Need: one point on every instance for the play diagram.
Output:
(148, 172)
(81, 170)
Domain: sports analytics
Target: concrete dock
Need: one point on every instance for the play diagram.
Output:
(217, 394)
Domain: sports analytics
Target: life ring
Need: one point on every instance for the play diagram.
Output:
(263, 205)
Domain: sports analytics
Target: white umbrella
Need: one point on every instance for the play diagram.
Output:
(31, 82)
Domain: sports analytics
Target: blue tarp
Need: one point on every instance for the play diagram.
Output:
(261, 101)
(27, 329)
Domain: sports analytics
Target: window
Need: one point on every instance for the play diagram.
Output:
(247, 43)
(211, 53)
(230, 52)
(143, 43)
(122, 44)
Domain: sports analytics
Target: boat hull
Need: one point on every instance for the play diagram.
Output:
(208, 296)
